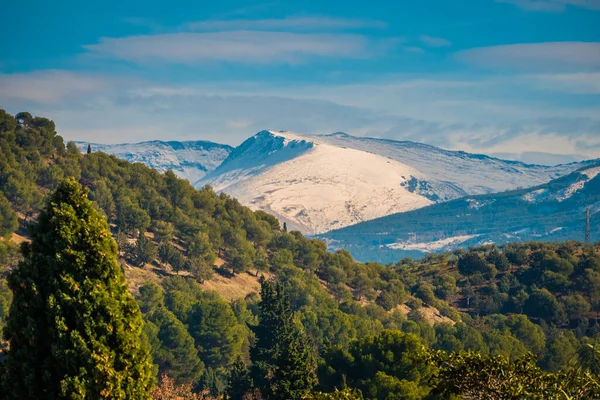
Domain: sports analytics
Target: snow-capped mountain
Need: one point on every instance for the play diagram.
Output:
(190, 160)
(554, 211)
(317, 183)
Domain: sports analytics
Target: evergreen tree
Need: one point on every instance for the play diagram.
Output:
(284, 362)
(89, 149)
(74, 330)
(175, 353)
(8, 218)
(211, 382)
(238, 382)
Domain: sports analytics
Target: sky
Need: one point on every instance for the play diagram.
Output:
(518, 79)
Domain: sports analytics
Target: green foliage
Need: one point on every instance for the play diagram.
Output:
(73, 328)
(284, 363)
(471, 262)
(216, 332)
(239, 381)
(145, 251)
(174, 351)
(8, 218)
(472, 375)
(390, 365)
(335, 300)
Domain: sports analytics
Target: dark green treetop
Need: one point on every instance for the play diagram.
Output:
(74, 330)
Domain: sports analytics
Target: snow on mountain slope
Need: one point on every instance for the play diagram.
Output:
(190, 160)
(314, 186)
(466, 174)
(554, 211)
(317, 183)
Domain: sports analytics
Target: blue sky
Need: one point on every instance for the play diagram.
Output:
(515, 78)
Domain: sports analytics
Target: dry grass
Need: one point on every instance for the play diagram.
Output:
(431, 315)
(137, 277)
(234, 288)
(18, 239)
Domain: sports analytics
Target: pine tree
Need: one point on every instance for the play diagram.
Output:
(239, 382)
(74, 330)
(284, 362)
(89, 149)
(175, 354)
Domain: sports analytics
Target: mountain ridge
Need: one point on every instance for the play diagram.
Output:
(552, 211)
(188, 159)
(427, 172)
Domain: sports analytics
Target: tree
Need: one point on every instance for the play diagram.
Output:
(200, 269)
(239, 382)
(175, 354)
(471, 262)
(145, 251)
(475, 376)
(284, 363)
(261, 260)
(216, 332)
(102, 195)
(72, 149)
(89, 149)
(130, 217)
(8, 218)
(200, 246)
(163, 231)
(74, 329)
(542, 304)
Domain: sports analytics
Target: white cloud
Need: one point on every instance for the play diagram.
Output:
(552, 5)
(51, 86)
(248, 47)
(433, 41)
(538, 56)
(450, 111)
(314, 23)
(574, 83)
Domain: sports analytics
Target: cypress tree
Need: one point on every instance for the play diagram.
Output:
(74, 330)
(89, 149)
(284, 362)
(239, 382)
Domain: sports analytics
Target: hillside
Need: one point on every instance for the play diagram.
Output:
(177, 245)
(554, 211)
(189, 160)
(320, 183)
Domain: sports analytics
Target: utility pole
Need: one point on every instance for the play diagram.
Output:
(587, 225)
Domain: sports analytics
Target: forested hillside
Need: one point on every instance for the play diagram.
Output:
(367, 326)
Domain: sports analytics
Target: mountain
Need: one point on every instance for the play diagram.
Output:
(317, 183)
(554, 211)
(190, 160)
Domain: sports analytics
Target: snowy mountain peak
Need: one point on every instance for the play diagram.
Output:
(317, 183)
(315, 186)
(189, 159)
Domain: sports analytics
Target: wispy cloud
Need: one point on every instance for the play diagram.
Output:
(433, 41)
(246, 47)
(313, 23)
(574, 83)
(552, 5)
(456, 113)
(48, 87)
(538, 56)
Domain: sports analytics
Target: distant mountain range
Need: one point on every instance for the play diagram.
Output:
(189, 159)
(553, 211)
(317, 183)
